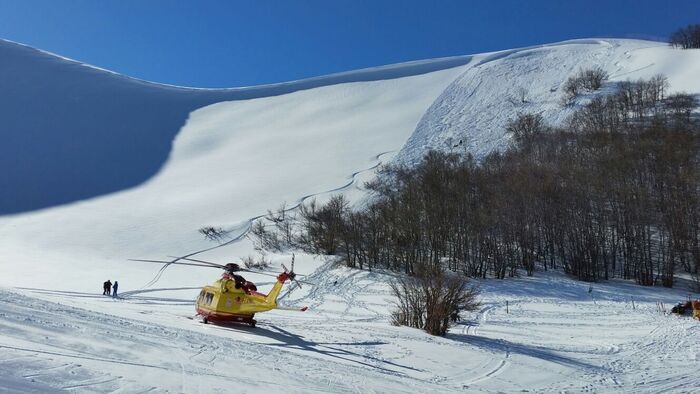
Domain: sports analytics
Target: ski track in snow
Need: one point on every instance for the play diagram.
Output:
(244, 227)
(553, 339)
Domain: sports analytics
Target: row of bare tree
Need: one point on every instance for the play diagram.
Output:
(614, 194)
(687, 37)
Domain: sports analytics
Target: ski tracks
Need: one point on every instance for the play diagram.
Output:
(242, 229)
(493, 367)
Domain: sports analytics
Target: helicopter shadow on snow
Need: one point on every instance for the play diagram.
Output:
(292, 341)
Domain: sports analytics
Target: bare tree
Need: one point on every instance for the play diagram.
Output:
(592, 79)
(323, 225)
(265, 238)
(584, 80)
(571, 90)
(284, 220)
(681, 106)
(686, 38)
(525, 127)
(432, 300)
(261, 263)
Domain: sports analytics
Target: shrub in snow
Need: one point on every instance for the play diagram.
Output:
(261, 264)
(585, 80)
(214, 233)
(432, 300)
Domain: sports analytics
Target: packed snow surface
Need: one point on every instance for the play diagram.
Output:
(285, 144)
(553, 336)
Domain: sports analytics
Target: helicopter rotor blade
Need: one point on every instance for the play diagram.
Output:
(172, 262)
(223, 267)
(199, 261)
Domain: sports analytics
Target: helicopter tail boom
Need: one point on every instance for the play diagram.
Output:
(271, 297)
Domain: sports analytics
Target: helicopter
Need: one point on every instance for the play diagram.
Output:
(232, 299)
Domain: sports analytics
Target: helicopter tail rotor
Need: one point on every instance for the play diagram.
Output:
(290, 274)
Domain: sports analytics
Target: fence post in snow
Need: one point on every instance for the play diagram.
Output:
(507, 306)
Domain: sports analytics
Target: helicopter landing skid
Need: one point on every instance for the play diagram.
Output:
(227, 319)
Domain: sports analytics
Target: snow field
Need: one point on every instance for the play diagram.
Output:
(556, 336)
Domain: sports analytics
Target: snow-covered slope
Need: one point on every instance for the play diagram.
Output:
(476, 107)
(71, 131)
(230, 162)
(233, 160)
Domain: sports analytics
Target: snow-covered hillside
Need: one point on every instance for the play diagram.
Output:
(153, 164)
(234, 160)
(80, 131)
(476, 107)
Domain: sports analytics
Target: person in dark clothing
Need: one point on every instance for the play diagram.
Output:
(107, 288)
(238, 280)
(115, 286)
(249, 287)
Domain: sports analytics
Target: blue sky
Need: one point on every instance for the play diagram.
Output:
(238, 43)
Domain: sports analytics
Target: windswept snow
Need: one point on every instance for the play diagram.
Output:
(244, 151)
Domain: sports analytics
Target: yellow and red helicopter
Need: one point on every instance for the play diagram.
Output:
(232, 299)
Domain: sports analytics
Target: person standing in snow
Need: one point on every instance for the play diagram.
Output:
(114, 289)
(107, 288)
